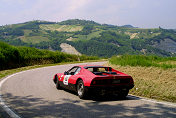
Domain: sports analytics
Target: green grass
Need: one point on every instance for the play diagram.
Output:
(144, 61)
(34, 39)
(93, 34)
(89, 36)
(50, 26)
(27, 32)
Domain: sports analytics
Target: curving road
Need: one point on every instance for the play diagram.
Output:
(33, 94)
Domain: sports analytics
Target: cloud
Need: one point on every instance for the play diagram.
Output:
(73, 9)
(77, 4)
(13, 2)
(53, 9)
(145, 13)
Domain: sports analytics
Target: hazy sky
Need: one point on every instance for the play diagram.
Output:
(139, 13)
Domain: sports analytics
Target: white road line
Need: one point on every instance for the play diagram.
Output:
(159, 102)
(152, 100)
(4, 106)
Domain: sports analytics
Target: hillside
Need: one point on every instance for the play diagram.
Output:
(91, 38)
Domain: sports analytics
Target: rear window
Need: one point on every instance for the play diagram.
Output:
(99, 69)
(90, 69)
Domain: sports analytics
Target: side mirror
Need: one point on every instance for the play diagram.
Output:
(65, 73)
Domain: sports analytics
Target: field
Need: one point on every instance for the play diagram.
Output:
(156, 81)
(63, 28)
(89, 36)
(34, 39)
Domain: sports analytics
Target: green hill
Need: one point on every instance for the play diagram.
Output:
(91, 38)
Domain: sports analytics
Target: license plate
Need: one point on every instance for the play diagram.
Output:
(116, 81)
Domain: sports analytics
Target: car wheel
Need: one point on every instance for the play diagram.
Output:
(81, 91)
(57, 83)
(123, 93)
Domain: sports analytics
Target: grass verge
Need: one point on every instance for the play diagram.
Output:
(144, 61)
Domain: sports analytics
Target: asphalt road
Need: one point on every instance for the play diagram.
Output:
(33, 94)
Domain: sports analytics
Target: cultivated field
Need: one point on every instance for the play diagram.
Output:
(34, 39)
(64, 28)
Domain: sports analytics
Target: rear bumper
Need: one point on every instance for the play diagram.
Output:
(109, 88)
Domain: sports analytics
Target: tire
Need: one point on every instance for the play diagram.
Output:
(123, 93)
(57, 83)
(81, 91)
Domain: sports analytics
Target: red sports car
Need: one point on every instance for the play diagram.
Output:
(86, 79)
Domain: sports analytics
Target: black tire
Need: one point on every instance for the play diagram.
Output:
(81, 91)
(123, 93)
(57, 83)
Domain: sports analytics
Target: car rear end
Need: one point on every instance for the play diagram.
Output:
(108, 80)
(114, 84)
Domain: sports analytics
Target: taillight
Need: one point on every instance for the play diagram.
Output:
(94, 82)
(102, 82)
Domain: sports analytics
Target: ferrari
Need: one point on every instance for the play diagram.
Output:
(87, 79)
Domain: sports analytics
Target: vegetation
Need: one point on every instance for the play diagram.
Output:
(63, 28)
(90, 38)
(78, 22)
(14, 57)
(144, 61)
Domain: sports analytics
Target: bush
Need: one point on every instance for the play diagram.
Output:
(9, 56)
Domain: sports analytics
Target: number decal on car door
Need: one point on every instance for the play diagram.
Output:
(66, 78)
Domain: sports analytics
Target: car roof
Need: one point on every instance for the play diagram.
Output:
(90, 66)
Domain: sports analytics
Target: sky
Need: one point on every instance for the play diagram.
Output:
(139, 13)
